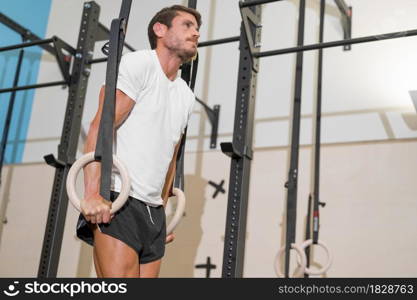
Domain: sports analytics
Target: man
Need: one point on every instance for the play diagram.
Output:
(153, 106)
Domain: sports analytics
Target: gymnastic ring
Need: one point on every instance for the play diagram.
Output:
(76, 168)
(179, 210)
(302, 264)
(324, 269)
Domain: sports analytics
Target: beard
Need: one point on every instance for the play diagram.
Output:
(186, 55)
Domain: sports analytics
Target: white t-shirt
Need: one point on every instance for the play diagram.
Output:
(146, 141)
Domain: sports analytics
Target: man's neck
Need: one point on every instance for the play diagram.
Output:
(170, 63)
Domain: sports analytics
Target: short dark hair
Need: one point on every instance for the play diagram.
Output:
(165, 16)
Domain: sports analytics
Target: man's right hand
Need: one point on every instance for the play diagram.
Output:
(96, 209)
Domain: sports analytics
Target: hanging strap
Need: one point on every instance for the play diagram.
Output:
(316, 198)
(295, 143)
(313, 217)
(189, 74)
(104, 147)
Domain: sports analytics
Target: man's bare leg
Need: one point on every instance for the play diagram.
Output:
(113, 258)
(150, 270)
(96, 265)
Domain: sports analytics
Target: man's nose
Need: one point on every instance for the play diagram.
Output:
(196, 33)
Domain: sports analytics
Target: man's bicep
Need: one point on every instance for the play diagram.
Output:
(124, 105)
(177, 147)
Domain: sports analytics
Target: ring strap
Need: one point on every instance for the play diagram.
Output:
(104, 147)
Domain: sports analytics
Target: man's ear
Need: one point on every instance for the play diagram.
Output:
(159, 29)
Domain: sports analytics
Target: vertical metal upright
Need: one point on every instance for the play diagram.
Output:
(313, 212)
(240, 150)
(67, 148)
(291, 185)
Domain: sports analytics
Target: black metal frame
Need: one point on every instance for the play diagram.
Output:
(213, 116)
(293, 173)
(63, 60)
(366, 39)
(346, 13)
(240, 150)
(58, 45)
(67, 148)
(249, 21)
(30, 39)
(26, 34)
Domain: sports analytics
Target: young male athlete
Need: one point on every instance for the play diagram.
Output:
(153, 106)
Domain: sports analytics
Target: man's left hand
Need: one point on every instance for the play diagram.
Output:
(169, 238)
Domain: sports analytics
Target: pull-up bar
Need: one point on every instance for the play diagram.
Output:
(200, 45)
(373, 38)
(219, 41)
(28, 44)
(257, 2)
(63, 61)
(33, 86)
(24, 32)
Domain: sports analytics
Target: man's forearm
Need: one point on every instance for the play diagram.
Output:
(169, 180)
(93, 169)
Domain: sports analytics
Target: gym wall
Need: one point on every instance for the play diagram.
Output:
(369, 136)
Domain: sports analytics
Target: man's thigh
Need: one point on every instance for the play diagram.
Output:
(150, 270)
(114, 258)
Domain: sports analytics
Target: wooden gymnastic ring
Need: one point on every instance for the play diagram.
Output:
(76, 168)
(179, 212)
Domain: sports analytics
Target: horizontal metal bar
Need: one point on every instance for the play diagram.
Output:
(97, 60)
(64, 45)
(33, 86)
(373, 38)
(253, 3)
(24, 32)
(219, 41)
(24, 45)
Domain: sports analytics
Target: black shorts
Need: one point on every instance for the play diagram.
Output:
(136, 224)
